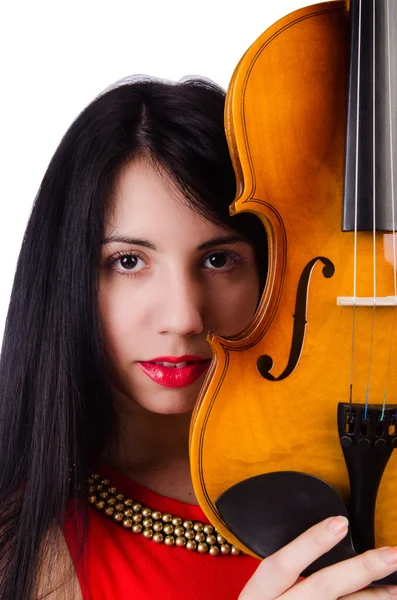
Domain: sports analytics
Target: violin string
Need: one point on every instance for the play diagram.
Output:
(392, 209)
(373, 207)
(355, 206)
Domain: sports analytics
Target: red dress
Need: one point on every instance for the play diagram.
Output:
(122, 565)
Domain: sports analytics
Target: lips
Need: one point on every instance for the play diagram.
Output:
(185, 372)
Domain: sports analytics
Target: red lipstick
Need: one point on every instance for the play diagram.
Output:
(187, 369)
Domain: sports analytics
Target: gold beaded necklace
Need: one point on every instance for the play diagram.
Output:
(155, 525)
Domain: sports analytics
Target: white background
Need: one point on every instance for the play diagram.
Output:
(57, 56)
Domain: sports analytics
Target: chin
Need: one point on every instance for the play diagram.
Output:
(160, 400)
(169, 406)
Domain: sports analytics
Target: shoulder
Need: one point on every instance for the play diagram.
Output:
(57, 578)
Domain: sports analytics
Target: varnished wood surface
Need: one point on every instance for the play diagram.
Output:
(285, 117)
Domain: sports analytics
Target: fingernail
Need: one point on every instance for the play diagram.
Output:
(389, 555)
(338, 524)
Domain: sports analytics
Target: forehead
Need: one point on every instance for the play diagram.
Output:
(146, 201)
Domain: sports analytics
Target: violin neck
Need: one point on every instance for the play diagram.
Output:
(371, 145)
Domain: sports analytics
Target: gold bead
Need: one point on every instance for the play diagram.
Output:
(118, 516)
(168, 529)
(127, 523)
(169, 540)
(147, 533)
(189, 534)
(162, 527)
(180, 542)
(166, 518)
(202, 548)
(137, 518)
(147, 523)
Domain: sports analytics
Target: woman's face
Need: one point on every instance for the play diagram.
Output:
(167, 276)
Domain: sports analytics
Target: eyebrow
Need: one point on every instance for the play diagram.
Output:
(222, 239)
(218, 241)
(127, 240)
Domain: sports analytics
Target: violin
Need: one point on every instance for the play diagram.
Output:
(297, 416)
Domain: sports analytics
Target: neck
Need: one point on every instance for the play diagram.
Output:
(152, 449)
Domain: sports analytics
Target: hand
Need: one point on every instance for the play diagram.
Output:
(277, 576)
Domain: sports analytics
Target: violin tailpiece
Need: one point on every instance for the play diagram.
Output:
(367, 436)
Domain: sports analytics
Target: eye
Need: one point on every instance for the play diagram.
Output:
(224, 260)
(217, 261)
(123, 263)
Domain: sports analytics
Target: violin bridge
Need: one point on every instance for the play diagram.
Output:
(366, 301)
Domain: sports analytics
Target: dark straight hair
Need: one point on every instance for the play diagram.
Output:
(56, 408)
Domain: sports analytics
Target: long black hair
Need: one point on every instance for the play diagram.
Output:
(56, 409)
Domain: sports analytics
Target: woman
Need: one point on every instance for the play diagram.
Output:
(128, 259)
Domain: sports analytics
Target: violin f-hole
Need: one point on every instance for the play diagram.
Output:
(265, 362)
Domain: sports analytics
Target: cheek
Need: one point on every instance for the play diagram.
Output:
(119, 320)
(244, 307)
(235, 308)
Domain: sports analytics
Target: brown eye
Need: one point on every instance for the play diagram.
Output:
(224, 261)
(129, 262)
(217, 261)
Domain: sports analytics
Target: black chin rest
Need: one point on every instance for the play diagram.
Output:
(268, 511)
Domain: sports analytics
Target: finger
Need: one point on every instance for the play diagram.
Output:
(374, 594)
(341, 579)
(278, 572)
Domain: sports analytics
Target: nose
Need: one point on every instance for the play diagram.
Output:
(181, 306)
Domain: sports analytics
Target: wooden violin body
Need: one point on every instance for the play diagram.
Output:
(269, 403)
